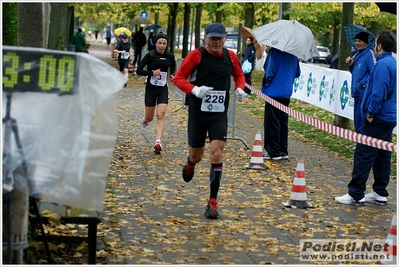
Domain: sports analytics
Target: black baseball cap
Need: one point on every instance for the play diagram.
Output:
(215, 30)
(124, 36)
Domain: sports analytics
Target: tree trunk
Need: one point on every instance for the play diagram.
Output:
(285, 7)
(249, 15)
(374, 28)
(249, 22)
(173, 8)
(186, 28)
(59, 27)
(344, 52)
(71, 16)
(33, 24)
(336, 33)
(198, 13)
(219, 14)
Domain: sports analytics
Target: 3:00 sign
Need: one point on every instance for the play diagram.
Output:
(39, 71)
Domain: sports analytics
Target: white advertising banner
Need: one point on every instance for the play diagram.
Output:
(325, 88)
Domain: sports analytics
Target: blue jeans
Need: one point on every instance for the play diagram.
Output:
(367, 157)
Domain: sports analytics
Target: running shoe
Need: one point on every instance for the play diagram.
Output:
(144, 123)
(158, 146)
(188, 171)
(268, 157)
(375, 198)
(348, 200)
(211, 209)
(284, 155)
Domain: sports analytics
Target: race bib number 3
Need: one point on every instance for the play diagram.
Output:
(213, 101)
(159, 80)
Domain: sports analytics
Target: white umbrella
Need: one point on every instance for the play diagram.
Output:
(289, 36)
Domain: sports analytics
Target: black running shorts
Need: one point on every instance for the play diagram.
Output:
(156, 95)
(123, 65)
(200, 123)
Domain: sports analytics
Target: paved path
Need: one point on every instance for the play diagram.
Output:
(154, 217)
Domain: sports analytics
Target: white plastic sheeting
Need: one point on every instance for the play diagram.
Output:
(67, 139)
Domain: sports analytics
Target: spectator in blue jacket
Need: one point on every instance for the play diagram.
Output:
(360, 66)
(378, 110)
(281, 69)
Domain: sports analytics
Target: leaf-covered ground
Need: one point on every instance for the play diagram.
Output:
(151, 216)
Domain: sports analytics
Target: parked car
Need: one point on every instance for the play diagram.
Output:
(231, 45)
(324, 55)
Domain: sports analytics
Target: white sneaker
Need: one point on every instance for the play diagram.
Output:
(348, 200)
(373, 197)
(268, 157)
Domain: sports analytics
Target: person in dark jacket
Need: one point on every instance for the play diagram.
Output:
(79, 41)
(151, 41)
(139, 40)
(378, 111)
(251, 57)
(108, 35)
(281, 69)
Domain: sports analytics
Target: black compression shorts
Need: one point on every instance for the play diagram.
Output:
(123, 64)
(155, 96)
(200, 123)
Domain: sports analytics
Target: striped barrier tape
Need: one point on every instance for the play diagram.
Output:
(344, 133)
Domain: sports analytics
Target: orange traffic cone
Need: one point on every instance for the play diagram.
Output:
(256, 161)
(298, 192)
(391, 244)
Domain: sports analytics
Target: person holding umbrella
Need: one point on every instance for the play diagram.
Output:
(360, 66)
(250, 56)
(289, 41)
(281, 69)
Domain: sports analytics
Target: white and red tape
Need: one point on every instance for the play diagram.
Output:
(344, 133)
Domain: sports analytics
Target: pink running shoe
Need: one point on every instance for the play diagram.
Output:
(144, 123)
(158, 146)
